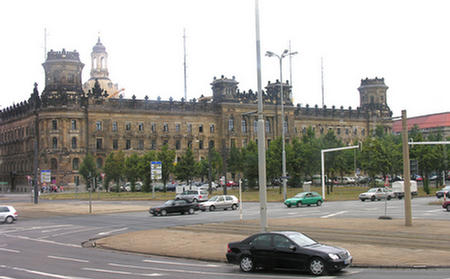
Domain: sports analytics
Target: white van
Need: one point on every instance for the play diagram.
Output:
(399, 189)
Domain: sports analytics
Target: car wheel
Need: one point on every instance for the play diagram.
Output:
(288, 205)
(233, 207)
(372, 198)
(191, 211)
(317, 266)
(163, 212)
(9, 220)
(448, 207)
(194, 200)
(389, 198)
(212, 208)
(246, 264)
(298, 204)
(363, 200)
(319, 203)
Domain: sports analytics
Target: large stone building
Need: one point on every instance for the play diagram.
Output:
(68, 121)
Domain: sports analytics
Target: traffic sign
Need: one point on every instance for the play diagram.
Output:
(46, 176)
(156, 170)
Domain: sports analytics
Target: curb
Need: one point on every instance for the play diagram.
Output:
(400, 266)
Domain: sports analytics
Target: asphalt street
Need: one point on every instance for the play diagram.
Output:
(51, 247)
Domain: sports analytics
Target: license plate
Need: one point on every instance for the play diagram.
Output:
(347, 261)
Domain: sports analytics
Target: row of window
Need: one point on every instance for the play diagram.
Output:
(14, 134)
(338, 130)
(153, 127)
(153, 144)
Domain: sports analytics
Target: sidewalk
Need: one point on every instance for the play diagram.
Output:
(377, 243)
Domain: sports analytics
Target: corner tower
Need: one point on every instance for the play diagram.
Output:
(99, 71)
(62, 76)
(224, 89)
(372, 94)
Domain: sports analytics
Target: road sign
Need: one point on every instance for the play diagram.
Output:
(156, 170)
(46, 176)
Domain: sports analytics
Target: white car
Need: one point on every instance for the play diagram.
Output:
(8, 214)
(377, 194)
(220, 202)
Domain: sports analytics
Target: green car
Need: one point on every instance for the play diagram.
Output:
(304, 198)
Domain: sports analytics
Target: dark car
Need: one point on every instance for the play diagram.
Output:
(174, 206)
(287, 250)
(446, 205)
(440, 193)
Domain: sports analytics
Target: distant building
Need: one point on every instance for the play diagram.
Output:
(69, 120)
(427, 124)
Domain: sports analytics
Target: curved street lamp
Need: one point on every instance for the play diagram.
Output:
(283, 155)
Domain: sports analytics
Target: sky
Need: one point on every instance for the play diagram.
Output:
(406, 42)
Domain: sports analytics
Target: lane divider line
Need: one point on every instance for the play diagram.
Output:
(68, 259)
(185, 264)
(9, 250)
(334, 214)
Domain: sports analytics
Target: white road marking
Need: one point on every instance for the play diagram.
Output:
(434, 210)
(212, 273)
(118, 230)
(334, 214)
(4, 277)
(68, 259)
(185, 264)
(22, 229)
(9, 250)
(43, 240)
(70, 232)
(122, 272)
(52, 275)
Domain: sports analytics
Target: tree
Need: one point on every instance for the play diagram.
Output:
(311, 153)
(234, 163)
(250, 164)
(185, 168)
(374, 158)
(144, 169)
(167, 158)
(88, 169)
(274, 160)
(295, 162)
(132, 170)
(114, 166)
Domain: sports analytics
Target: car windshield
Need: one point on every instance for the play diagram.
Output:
(214, 198)
(301, 195)
(301, 239)
(372, 190)
(168, 202)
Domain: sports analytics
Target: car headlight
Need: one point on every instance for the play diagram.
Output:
(333, 256)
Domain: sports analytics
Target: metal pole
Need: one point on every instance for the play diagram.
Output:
(240, 199)
(283, 152)
(322, 160)
(406, 174)
(90, 194)
(36, 160)
(261, 136)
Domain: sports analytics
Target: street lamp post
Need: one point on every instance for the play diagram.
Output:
(283, 154)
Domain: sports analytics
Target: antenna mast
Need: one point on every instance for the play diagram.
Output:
(184, 47)
(45, 44)
(290, 71)
(323, 90)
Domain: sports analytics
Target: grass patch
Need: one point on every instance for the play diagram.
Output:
(340, 193)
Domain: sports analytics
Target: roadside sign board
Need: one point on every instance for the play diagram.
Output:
(156, 170)
(46, 176)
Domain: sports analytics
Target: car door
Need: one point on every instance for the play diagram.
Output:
(308, 199)
(286, 253)
(3, 213)
(261, 250)
(180, 206)
(220, 202)
(228, 201)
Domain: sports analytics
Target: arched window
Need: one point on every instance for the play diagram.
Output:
(55, 143)
(74, 142)
(99, 163)
(75, 164)
(53, 164)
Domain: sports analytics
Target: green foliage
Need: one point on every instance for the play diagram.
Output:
(274, 159)
(132, 170)
(114, 167)
(185, 169)
(375, 157)
(250, 164)
(234, 163)
(144, 169)
(88, 169)
(167, 158)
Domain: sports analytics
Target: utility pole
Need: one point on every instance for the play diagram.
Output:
(323, 89)
(184, 47)
(406, 173)
(36, 145)
(261, 135)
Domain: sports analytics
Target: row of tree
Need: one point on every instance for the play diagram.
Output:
(381, 154)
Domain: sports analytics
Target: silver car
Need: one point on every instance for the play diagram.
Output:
(377, 194)
(8, 214)
(220, 202)
(193, 195)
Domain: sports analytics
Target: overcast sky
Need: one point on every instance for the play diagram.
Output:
(406, 42)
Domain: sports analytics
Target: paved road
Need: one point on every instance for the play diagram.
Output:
(50, 247)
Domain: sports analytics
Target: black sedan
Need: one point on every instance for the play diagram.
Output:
(287, 250)
(174, 206)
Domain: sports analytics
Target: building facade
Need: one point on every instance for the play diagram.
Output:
(66, 121)
(427, 124)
